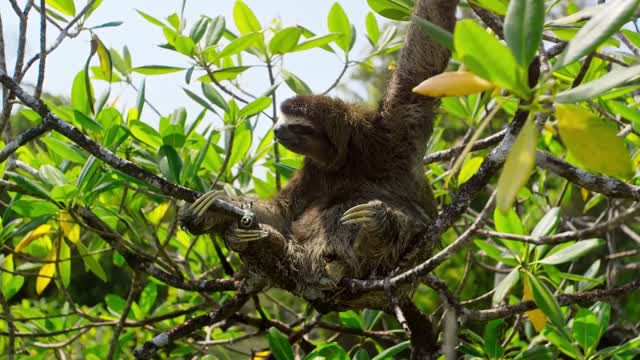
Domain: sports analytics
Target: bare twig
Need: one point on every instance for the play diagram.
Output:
(43, 48)
(149, 348)
(455, 151)
(11, 326)
(133, 289)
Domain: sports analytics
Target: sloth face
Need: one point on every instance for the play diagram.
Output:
(311, 126)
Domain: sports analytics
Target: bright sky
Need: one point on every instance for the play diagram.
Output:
(318, 68)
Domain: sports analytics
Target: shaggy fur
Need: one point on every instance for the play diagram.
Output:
(353, 156)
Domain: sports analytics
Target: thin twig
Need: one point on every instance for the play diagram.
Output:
(43, 49)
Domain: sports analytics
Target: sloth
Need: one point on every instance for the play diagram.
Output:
(361, 196)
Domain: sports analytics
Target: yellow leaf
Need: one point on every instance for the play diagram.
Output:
(40, 231)
(537, 317)
(69, 227)
(584, 193)
(104, 57)
(468, 169)
(260, 355)
(517, 167)
(45, 275)
(454, 83)
(593, 141)
(156, 215)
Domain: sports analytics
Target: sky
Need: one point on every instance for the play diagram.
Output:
(318, 68)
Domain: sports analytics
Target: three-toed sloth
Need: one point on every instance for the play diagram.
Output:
(361, 195)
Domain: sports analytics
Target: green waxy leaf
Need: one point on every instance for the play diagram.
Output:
(285, 40)
(545, 301)
(394, 10)
(80, 99)
(518, 166)
(390, 352)
(214, 96)
(338, 22)
(523, 27)
(586, 329)
(492, 335)
(318, 41)
(255, 107)
(156, 69)
(597, 87)
(245, 19)
(279, 345)
(469, 168)
(90, 262)
(601, 27)
(65, 150)
(296, 84)
(505, 285)
(593, 141)
(373, 30)
(548, 224)
(239, 44)
(228, 73)
(572, 252)
(486, 57)
(66, 7)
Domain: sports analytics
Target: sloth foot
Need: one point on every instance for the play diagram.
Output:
(370, 215)
(335, 272)
(204, 202)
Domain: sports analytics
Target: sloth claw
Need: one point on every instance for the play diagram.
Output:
(248, 235)
(367, 214)
(204, 202)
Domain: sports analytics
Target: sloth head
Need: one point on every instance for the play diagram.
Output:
(318, 127)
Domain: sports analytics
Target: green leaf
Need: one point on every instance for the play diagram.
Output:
(148, 297)
(199, 100)
(65, 150)
(497, 6)
(151, 19)
(51, 175)
(330, 350)
(389, 353)
(107, 25)
(537, 352)
(351, 319)
(90, 262)
(279, 345)
(105, 59)
(228, 73)
(394, 10)
(241, 144)
(492, 335)
(373, 30)
(505, 286)
(255, 107)
(518, 166)
(548, 224)
(198, 29)
(469, 168)
(361, 354)
(80, 100)
(318, 41)
(33, 207)
(593, 141)
(115, 303)
(523, 27)
(572, 252)
(601, 27)
(486, 57)
(156, 69)
(214, 96)
(509, 223)
(599, 86)
(184, 45)
(239, 44)
(586, 329)
(216, 29)
(338, 22)
(440, 35)
(142, 89)
(296, 84)
(170, 163)
(245, 19)
(561, 342)
(146, 134)
(545, 301)
(285, 40)
(63, 193)
(66, 7)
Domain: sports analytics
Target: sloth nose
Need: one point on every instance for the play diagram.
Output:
(277, 131)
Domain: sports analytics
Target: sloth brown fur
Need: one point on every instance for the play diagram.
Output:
(353, 156)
